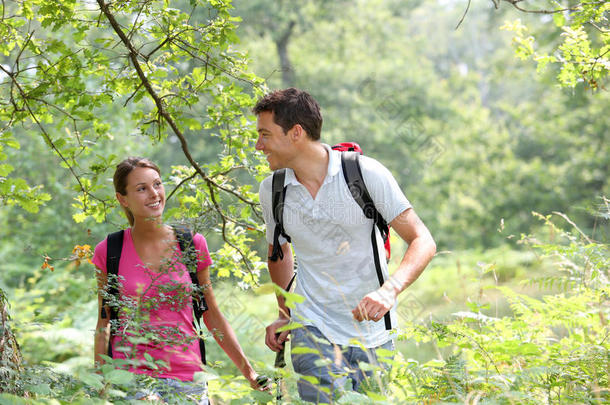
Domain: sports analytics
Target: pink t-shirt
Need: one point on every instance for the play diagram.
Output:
(164, 298)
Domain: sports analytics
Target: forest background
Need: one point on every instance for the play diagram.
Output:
(493, 117)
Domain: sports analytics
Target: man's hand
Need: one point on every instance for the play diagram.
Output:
(274, 342)
(375, 305)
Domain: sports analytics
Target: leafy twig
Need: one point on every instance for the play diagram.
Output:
(45, 134)
(192, 176)
(133, 94)
(573, 8)
(224, 229)
(564, 216)
(166, 116)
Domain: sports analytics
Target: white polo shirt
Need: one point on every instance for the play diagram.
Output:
(331, 238)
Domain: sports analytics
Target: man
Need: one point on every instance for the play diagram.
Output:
(331, 237)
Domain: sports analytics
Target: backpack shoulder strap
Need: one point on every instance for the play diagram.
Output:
(185, 241)
(114, 247)
(189, 254)
(350, 163)
(113, 252)
(278, 194)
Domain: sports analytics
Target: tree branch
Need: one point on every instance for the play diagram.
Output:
(170, 37)
(47, 137)
(133, 55)
(25, 44)
(229, 191)
(464, 16)
(224, 229)
(207, 62)
(161, 45)
(133, 94)
(574, 8)
(165, 116)
(600, 29)
(67, 114)
(191, 177)
(569, 221)
(135, 22)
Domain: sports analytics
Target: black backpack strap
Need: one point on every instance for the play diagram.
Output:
(114, 247)
(278, 194)
(189, 254)
(350, 163)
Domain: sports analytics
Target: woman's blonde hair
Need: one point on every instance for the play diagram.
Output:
(120, 177)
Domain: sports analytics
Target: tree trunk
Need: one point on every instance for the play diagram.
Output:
(10, 354)
(288, 77)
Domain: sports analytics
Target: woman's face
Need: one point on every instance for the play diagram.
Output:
(145, 196)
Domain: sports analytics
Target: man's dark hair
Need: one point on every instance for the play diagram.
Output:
(290, 107)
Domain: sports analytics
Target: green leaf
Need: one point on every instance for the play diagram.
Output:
(117, 393)
(192, 124)
(303, 350)
(5, 169)
(529, 349)
(291, 298)
(120, 377)
(262, 397)
(92, 379)
(79, 217)
(559, 19)
(311, 379)
(201, 377)
(40, 389)
(12, 143)
(375, 396)
(381, 352)
(8, 399)
(265, 289)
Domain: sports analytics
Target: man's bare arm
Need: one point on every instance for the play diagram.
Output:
(419, 253)
(281, 272)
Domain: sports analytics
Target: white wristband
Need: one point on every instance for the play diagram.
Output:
(395, 284)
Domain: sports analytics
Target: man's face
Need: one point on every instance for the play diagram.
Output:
(273, 141)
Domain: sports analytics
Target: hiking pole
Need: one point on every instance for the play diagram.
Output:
(280, 357)
(280, 362)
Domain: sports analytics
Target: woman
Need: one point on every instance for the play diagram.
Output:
(156, 334)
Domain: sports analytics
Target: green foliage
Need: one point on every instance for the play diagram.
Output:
(582, 52)
(58, 332)
(86, 77)
(471, 134)
(549, 349)
(16, 191)
(476, 139)
(553, 348)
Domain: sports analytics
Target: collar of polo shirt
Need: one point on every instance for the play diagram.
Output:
(334, 167)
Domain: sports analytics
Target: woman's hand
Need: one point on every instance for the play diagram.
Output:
(259, 382)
